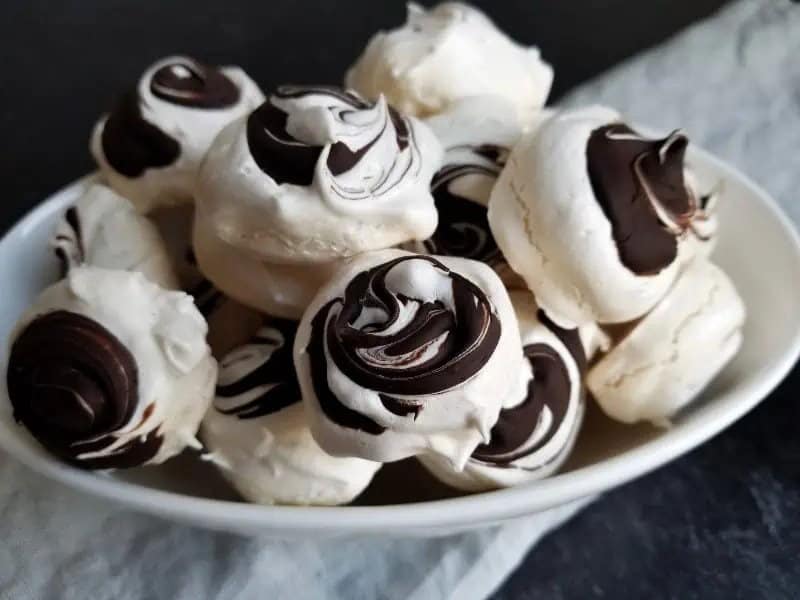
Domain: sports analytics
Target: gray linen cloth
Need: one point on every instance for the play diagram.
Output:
(733, 82)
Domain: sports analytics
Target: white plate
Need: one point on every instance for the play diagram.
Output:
(758, 248)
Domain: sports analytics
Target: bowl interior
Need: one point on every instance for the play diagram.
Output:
(757, 247)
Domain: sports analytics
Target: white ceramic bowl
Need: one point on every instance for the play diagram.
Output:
(758, 248)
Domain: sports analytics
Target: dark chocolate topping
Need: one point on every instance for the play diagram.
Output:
(289, 160)
(639, 184)
(277, 153)
(549, 388)
(190, 83)
(273, 372)
(455, 342)
(72, 383)
(463, 228)
(70, 249)
(131, 144)
(569, 337)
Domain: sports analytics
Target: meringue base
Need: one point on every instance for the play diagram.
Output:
(278, 290)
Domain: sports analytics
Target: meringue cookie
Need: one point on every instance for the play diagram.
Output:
(104, 230)
(257, 433)
(403, 354)
(537, 430)
(445, 54)
(276, 289)
(477, 134)
(317, 174)
(150, 146)
(669, 356)
(108, 370)
(592, 216)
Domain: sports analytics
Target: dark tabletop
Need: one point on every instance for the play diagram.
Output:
(718, 523)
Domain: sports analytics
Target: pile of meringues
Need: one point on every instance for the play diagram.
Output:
(424, 262)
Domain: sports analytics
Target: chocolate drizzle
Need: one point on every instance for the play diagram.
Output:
(463, 228)
(69, 245)
(548, 391)
(189, 83)
(131, 144)
(287, 159)
(73, 384)
(259, 379)
(640, 186)
(277, 153)
(569, 337)
(396, 345)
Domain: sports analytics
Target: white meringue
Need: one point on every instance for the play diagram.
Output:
(536, 431)
(160, 132)
(668, 357)
(275, 289)
(132, 358)
(554, 232)
(104, 230)
(317, 174)
(257, 434)
(403, 354)
(447, 53)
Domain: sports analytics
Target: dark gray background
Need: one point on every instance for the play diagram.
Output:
(719, 523)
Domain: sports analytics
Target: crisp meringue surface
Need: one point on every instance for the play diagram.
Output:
(317, 174)
(280, 290)
(447, 53)
(142, 345)
(257, 432)
(667, 358)
(151, 144)
(175, 224)
(535, 431)
(403, 354)
(103, 229)
(589, 258)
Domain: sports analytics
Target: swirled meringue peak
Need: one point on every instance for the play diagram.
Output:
(403, 354)
(593, 216)
(104, 230)
(318, 173)
(666, 359)
(536, 431)
(150, 145)
(107, 370)
(258, 435)
(477, 134)
(447, 53)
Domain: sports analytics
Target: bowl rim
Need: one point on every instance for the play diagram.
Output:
(464, 511)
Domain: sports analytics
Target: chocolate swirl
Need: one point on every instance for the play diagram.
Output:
(463, 228)
(569, 337)
(190, 83)
(73, 384)
(382, 338)
(353, 129)
(639, 184)
(259, 379)
(525, 429)
(131, 144)
(68, 244)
